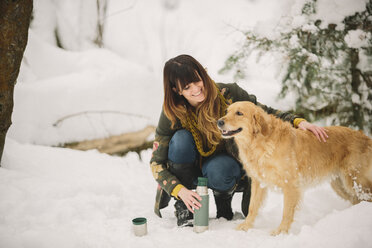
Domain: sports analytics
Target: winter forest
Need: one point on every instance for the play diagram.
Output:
(88, 95)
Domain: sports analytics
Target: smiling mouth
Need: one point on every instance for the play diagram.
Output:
(197, 94)
(231, 133)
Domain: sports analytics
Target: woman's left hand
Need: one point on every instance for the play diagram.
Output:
(319, 132)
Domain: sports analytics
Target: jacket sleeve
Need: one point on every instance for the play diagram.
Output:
(239, 94)
(158, 162)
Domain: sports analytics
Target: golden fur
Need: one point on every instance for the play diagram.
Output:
(275, 154)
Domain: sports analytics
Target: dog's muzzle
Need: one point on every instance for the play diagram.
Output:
(221, 124)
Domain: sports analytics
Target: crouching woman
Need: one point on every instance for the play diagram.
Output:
(188, 143)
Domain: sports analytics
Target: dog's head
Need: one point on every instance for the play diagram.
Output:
(243, 119)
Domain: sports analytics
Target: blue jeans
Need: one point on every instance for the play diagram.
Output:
(222, 170)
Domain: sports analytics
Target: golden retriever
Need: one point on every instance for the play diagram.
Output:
(274, 154)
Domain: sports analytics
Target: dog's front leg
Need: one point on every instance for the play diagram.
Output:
(258, 194)
(291, 199)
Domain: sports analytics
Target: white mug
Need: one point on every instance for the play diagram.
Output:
(140, 226)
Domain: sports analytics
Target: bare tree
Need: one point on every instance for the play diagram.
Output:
(15, 18)
(82, 32)
(101, 13)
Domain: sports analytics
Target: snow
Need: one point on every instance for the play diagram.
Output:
(92, 80)
(355, 98)
(365, 61)
(334, 11)
(57, 197)
(289, 14)
(357, 38)
(74, 21)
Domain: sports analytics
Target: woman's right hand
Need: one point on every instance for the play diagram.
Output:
(190, 198)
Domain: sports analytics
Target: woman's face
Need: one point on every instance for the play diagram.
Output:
(194, 93)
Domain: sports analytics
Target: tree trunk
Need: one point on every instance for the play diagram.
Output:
(355, 83)
(15, 16)
(101, 15)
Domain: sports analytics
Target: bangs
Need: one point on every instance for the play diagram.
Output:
(182, 76)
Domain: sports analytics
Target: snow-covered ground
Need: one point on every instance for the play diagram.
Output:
(55, 197)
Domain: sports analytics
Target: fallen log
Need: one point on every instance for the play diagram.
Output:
(118, 144)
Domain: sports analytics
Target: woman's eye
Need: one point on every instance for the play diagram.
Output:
(239, 113)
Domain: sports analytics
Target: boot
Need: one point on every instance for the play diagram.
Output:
(183, 215)
(223, 203)
(246, 196)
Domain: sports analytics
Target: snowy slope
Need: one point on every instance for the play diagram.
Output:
(55, 84)
(61, 198)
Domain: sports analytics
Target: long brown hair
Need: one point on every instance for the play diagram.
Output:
(178, 73)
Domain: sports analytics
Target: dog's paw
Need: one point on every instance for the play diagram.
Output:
(278, 231)
(243, 226)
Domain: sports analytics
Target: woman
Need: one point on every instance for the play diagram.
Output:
(188, 143)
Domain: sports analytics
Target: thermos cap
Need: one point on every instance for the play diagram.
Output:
(139, 221)
(202, 181)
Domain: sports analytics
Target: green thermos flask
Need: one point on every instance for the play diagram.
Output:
(201, 215)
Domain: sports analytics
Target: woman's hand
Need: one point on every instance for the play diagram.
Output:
(319, 132)
(190, 198)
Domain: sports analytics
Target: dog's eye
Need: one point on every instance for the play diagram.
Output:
(239, 113)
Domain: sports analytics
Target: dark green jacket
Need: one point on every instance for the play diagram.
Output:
(158, 163)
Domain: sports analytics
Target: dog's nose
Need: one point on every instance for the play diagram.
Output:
(220, 123)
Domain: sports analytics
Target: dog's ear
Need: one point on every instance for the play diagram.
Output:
(259, 125)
